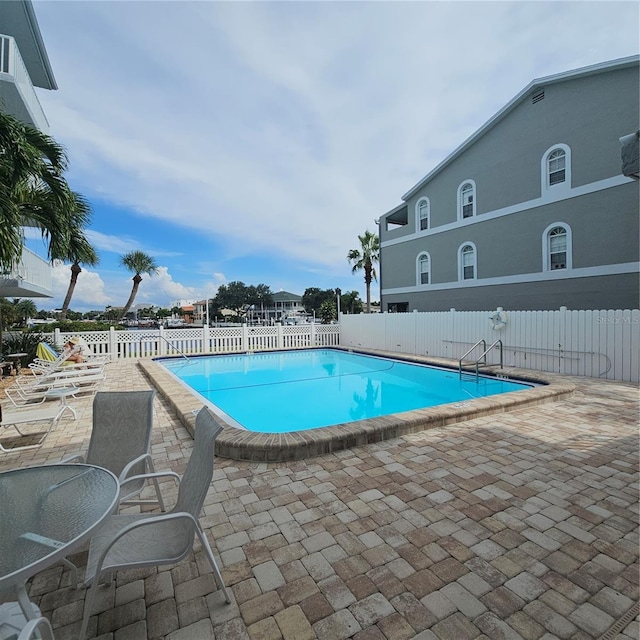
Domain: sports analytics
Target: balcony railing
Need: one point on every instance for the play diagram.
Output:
(13, 69)
(31, 277)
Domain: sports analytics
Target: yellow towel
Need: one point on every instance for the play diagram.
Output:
(45, 352)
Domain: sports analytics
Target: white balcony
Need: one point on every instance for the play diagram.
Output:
(17, 95)
(30, 278)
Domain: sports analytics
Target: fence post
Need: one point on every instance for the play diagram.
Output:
(162, 346)
(205, 339)
(312, 334)
(57, 340)
(244, 341)
(113, 345)
(280, 337)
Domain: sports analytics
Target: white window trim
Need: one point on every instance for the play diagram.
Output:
(475, 262)
(544, 171)
(546, 257)
(421, 200)
(475, 198)
(418, 272)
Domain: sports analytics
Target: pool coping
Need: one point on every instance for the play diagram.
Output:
(239, 444)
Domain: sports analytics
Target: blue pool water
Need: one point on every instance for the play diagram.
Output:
(279, 392)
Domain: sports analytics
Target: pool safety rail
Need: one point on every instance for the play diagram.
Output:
(481, 361)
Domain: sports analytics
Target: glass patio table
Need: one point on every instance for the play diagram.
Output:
(47, 512)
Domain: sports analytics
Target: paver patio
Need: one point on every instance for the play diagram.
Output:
(517, 525)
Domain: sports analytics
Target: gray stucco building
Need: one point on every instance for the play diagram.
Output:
(533, 211)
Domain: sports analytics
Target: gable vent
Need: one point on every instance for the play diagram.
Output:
(536, 97)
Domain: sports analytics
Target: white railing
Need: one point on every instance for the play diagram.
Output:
(31, 269)
(188, 342)
(599, 344)
(11, 64)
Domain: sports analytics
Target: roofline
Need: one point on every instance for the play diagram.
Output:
(620, 63)
(42, 50)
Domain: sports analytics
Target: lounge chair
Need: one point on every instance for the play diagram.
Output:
(47, 360)
(17, 417)
(147, 540)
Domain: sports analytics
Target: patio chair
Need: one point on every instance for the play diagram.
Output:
(14, 625)
(147, 540)
(121, 439)
(40, 628)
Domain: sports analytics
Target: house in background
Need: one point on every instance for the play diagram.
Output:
(285, 305)
(23, 64)
(533, 211)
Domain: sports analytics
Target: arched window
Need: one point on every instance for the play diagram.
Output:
(424, 269)
(466, 200)
(422, 214)
(467, 261)
(556, 167)
(556, 247)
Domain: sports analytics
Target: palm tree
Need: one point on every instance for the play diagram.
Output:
(33, 191)
(364, 259)
(80, 250)
(137, 262)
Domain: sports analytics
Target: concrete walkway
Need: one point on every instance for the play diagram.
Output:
(519, 525)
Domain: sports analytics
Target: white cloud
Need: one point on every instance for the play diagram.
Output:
(89, 292)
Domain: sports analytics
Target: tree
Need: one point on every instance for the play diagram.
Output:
(33, 191)
(364, 259)
(234, 296)
(350, 302)
(328, 311)
(24, 309)
(138, 263)
(312, 299)
(80, 250)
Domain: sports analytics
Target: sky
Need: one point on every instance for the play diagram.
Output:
(255, 141)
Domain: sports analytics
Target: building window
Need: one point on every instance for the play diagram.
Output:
(467, 262)
(556, 246)
(424, 269)
(422, 212)
(556, 167)
(466, 200)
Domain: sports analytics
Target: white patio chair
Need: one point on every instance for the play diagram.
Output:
(121, 441)
(146, 540)
(40, 628)
(14, 625)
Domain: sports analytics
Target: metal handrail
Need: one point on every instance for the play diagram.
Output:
(175, 348)
(477, 344)
(483, 356)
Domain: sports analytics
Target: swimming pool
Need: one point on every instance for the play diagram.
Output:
(283, 392)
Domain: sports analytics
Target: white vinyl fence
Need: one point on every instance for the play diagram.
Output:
(603, 344)
(185, 342)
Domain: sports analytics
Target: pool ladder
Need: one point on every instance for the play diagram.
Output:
(465, 374)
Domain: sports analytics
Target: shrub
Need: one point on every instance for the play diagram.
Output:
(23, 342)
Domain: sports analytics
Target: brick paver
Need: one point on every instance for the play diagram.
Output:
(517, 525)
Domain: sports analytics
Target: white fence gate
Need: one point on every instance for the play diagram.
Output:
(603, 344)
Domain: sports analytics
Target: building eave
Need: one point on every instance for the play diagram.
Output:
(538, 83)
(18, 19)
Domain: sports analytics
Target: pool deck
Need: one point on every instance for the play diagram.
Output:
(241, 444)
(514, 525)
